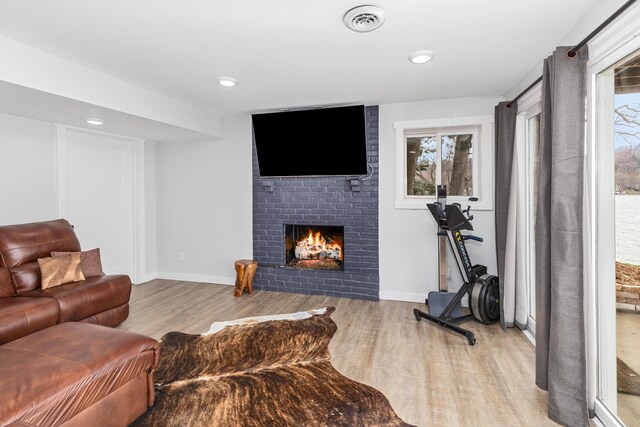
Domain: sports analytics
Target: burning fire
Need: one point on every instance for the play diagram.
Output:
(315, 246)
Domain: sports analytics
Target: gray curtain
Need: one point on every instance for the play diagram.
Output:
(560, 320)
(505, 124)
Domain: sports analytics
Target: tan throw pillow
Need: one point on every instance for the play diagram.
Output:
(89, 261)
(57, 271)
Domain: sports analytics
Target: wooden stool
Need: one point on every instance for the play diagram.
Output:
(245, 270)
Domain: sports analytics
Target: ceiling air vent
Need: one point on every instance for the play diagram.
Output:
(363, 19)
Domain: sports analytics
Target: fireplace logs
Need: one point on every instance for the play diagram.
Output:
(314, 247)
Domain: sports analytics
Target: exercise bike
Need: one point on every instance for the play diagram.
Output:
(482, 288)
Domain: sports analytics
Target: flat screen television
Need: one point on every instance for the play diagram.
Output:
(319, 142)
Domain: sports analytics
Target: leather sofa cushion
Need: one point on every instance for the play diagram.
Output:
(23, 316)
(89, 297)
(51, 375)
(26, 277)
(6, 289)
(23, 243)
(112, 317)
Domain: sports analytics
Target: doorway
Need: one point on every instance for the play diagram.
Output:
(101, 192)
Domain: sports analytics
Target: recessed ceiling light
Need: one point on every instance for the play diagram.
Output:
(227, 81)
(95, 121)
(421, 56)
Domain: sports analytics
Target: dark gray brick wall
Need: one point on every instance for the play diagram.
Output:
(320, 201)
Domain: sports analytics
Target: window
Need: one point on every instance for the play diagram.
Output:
(440, 157)
(454, 152)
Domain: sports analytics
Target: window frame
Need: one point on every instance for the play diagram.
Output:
(529, 106)
(536, 110)
(482, 167)
(439, 134)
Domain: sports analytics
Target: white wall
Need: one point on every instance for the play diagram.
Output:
(587, 23)
(408, 243)
(198, 196)
(28, 174)
(26, 66)
(151, 255)
(27, 170)
(204, 205)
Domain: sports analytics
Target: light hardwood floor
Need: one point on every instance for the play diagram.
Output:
(430, 376)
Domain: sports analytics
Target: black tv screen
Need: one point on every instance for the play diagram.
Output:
(329, 141)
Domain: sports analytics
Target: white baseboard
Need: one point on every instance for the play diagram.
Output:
(402, 296)
(411, 297)
(148, 277)
(218, 280)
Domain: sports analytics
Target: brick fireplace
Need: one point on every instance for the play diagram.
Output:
(344, 212)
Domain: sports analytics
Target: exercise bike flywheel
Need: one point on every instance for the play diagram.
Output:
(484, 299)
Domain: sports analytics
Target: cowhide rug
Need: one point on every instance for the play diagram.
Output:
(261, 372)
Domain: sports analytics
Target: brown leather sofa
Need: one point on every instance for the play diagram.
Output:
(26, 308)
(56, 368)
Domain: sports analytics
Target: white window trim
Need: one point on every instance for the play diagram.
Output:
(529, 106)
(482, 164)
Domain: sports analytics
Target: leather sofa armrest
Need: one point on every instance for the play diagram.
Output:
(150, 374)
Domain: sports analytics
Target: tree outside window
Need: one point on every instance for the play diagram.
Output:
(440, 157)
(421, 165)
(457, 164)
(627, 144)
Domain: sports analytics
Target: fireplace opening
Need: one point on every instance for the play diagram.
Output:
(314, 247)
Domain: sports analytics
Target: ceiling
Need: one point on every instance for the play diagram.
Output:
(296, 53)
(27, 102)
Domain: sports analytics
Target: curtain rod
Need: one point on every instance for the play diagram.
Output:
(577, 47)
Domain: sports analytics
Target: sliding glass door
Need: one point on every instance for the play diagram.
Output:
(626, 158)
(617, 253)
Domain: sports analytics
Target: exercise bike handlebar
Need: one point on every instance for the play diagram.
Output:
(452, 217)
(471, 237)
